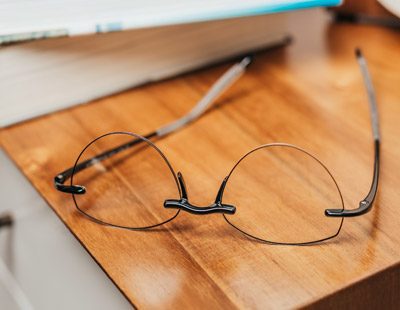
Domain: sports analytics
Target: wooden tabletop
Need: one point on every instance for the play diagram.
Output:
(310, 94)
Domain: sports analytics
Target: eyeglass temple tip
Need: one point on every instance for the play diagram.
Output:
(246, 61)
(358, 52)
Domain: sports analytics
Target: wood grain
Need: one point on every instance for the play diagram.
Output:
(310, 94)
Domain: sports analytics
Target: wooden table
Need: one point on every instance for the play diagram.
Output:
(310, 94)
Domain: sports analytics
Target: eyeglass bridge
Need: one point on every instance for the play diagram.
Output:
(184, 204)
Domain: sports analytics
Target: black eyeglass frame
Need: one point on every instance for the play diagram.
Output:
(183, 203)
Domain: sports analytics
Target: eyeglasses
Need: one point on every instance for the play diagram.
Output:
(124, 180)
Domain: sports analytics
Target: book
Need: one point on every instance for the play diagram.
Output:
(43, 76)
(24, 20)
(161, 39)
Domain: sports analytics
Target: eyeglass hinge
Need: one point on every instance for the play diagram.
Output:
(71, 189)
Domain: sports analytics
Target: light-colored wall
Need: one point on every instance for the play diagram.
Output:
(42, 266)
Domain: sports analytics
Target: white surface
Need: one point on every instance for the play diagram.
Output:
(44, 76)
(49, 267)
(392, 5)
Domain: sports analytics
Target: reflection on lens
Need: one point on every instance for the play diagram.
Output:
(280, 193)
(127, 189)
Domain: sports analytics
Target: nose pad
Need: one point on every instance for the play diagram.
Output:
(182, 185)
(218, 198)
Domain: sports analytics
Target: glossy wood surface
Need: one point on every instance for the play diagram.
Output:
(310, 94)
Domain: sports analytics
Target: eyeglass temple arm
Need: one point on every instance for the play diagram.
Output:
(365, 205)
(223, 83)
(62, 177)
